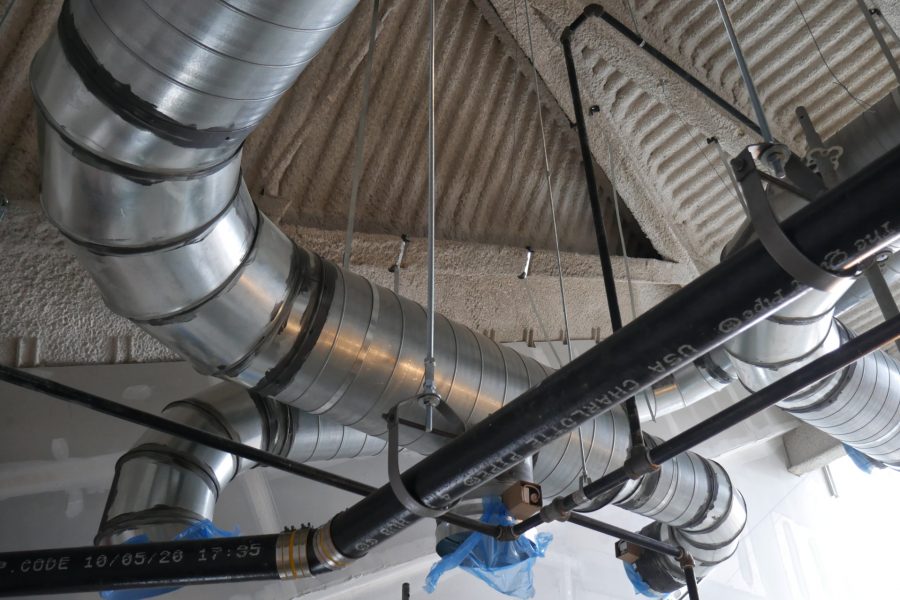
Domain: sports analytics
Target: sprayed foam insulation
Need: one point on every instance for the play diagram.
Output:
(651, 131)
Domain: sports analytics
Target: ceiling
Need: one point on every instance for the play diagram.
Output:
(678, 207)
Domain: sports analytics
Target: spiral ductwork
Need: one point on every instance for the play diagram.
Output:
(858, 405)
(165, 484)
(694, 506)
(143, 108)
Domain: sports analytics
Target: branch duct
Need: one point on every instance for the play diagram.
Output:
(144, 106)
(165, 484)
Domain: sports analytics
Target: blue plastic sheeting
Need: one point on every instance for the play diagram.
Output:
(505, 566)
(201, 530)
(640, 586)
(862, 461)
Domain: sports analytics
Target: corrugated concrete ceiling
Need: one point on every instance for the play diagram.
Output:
(491, 182)
(492, 196)
(658, 126)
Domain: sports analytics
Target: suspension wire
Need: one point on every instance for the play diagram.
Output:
(429, 387)
(691, 134)
(70, 395)
(634, 22)
(615, 196)
(361, 137)
(877, 12)
(562, 289)
(524, 277)
(834, 76)
(540, 321)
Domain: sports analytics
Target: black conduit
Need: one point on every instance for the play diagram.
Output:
(595, 10)
(832, 362)
(646, 542)
(850, 222)
(163, 425)
(164, 564)
(587, 160)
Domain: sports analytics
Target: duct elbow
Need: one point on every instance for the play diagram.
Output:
(165, 484)
(696, 507)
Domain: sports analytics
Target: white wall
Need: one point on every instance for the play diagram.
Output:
(801, 543)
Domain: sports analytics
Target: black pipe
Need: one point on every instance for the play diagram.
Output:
(834, 361)
(691, 581)
(848, 223)
(598, 11)
(638, 539)
(139, 417)
(164, 564)
(587, 160)
(615, 316)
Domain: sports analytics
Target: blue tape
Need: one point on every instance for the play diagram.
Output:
(505, 566)
(637, 582)
(201, 530)
(863, 461)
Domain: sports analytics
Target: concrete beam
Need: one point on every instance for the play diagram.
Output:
(52, 314)
(808, 449)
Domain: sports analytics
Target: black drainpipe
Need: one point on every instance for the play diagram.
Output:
(718, 305)
(842, 230)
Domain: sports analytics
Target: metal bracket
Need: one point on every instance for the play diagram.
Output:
(394, 477)
(638, 462)
(769, 231)
(398, 265)
(528, 254)
(506, 533)
(555, 511)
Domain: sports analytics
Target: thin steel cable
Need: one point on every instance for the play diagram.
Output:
(562, 289)
(360, 137)
(691, 134)
(534, 309)
(634, 22)
(428, 385)
(834, 76)
(615, 195)
(6, 12)
(543, 327)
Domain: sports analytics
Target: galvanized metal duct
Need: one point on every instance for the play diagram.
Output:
(695, 506)
(143, 109)
(165, 484)
(860, 405)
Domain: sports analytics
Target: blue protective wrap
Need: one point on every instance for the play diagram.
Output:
(640, 586)
(863, 461)
(505, 566)
(201, 530)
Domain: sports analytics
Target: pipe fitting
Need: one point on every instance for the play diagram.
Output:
(555, 511)
(639, 462)
(291, 554)
(326, 552)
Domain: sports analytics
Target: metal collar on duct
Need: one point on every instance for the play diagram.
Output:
(143, 110)
(165, 484)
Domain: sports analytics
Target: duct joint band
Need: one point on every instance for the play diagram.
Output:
(121, 100)
(277, 379)
(555, 511)
(406, 498)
